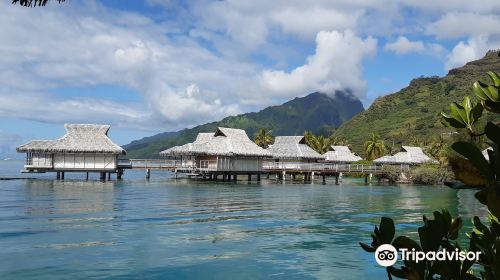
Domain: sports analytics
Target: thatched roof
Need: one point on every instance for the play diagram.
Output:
(79, 138)
(341, 154)
(408, 155)
(186, 148)
(292, 147)
(224, 142)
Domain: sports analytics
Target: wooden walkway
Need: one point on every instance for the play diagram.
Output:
(269, 167)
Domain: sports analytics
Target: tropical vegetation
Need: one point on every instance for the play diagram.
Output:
(316, 112)
(374, 147)
(322, 144)
(442, 232)
(33, 3)
(414, 110)
(263, 138)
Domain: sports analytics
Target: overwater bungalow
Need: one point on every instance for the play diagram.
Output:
(341, 155)
(226, 150)
(407, 156)
(293, 149)
(84, 148)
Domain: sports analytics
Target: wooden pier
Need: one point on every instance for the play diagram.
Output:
(280, 170)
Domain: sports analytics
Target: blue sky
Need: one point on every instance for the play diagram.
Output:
(161, 65)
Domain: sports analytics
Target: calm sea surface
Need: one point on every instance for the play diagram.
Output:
(180, 229)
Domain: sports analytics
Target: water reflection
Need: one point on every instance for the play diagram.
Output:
(182, 229)
(66, 197)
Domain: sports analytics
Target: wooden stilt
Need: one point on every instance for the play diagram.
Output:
(109, 176)
(102, 176)
(148, 173)
(58, 176)
(87, 177)
(62, 175)
(249, 177)
(324, 178)
(258, 177)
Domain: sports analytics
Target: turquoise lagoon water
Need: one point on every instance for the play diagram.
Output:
(180, 229)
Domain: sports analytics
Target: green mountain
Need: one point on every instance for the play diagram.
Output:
(316, 112)
(415, 110)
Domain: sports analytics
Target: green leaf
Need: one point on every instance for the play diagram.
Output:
(455, 227)
(493, 93)
(398, 272)
(479, 225)
(481, 196)
(407, 243)
(457, 112)
(476, 112)
(387, 230)
(473, 154)
(494, 78)
(477, 87)
(367, 247)
(451, 122)
(493, 132)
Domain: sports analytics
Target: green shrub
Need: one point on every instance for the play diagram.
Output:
(391, 173)
(425, 175)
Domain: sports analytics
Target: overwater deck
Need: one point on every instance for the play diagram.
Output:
(209, 170)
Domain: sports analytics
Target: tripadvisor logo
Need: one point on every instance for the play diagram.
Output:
(387, 255)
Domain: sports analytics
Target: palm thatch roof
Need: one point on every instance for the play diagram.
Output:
(341, 154)
(186, 148)
(408, 155)
(292, 147)
(224, 142)
(79, 138)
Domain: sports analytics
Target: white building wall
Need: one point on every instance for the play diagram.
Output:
(239, 164)
(41, 160)
(80, 161)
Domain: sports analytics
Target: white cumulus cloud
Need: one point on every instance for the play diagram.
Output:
(336, 65)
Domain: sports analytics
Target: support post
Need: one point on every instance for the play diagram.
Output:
(366, 180)
(324, 178)
(312, 176)
(336, 179)
(258, 177)
(284, 175)
(249, 177)
(235, 177)
(293, 176)
(62, 175)
(109, 176)
(87, 177)
(148, 173)
(340, 177)
(371, 176)
(102, 176)
(58, 175)
(119, 174)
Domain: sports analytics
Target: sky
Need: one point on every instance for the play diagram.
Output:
(162, 65)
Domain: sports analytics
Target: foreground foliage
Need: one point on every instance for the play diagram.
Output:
(442, 231)
(33, 3)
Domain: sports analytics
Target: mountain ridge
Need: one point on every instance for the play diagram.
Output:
(414, 111)
(312, 112)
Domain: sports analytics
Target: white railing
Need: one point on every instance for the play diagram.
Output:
(151, 163)
(268, 165)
